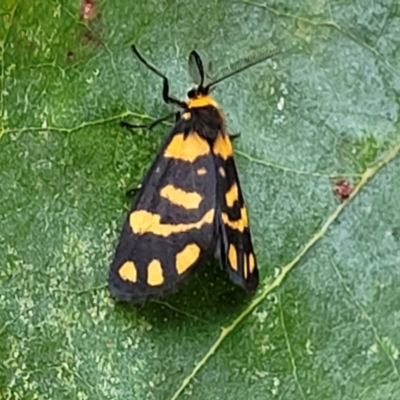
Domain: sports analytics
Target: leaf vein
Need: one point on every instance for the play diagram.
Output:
(294, 170)
(2, 68)
(289, 348)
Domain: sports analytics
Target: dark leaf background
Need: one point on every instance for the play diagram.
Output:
(324, 323)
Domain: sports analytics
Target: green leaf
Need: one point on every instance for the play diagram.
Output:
(324, 323)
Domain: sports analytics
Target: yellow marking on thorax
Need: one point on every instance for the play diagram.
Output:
(186, 115)
(187, 200)
(201, 171)
(232, 257)
(187, 257)
(223, 147)
(252, 262)
(239, 225)
(142, 221)
(187, 148)
(245, 270)
(232, 195)
(128, 272)
(222, 172)
(201, 101)
(155, 273)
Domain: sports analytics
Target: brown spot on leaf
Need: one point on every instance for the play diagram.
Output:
(343, 189)
(89, 10)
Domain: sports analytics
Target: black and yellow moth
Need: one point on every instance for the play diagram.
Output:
(190, 205)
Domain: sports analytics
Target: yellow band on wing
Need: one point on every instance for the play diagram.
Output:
(187, 257)
(186, 148)
(223, 147)
(232, 195)
(155, 274)
(142, 221)
(238, 225)
(179, 197)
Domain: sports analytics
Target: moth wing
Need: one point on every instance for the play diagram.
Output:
(171, 224)
(235, 244)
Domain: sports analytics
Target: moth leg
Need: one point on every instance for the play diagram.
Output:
(153, 124)
(234, 136)
(133, 191)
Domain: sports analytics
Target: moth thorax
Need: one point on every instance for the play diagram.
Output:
(202, 100)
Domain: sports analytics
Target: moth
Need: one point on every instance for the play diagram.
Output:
(190, 205)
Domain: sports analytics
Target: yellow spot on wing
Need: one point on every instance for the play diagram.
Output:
(128, 272)
(201, 171)
(186, 115)
(245, 270)
(188, 200)
(222, 172)
(202, 101)
(142, 222)
(232, 195)
(240, 224)
(187, 148)
(187, 257)
(155, 273)
(232, 257)
(252, 263)
(223, 147)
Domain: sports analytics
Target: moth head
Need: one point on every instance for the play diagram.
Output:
(199, 96)
(197, 91)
